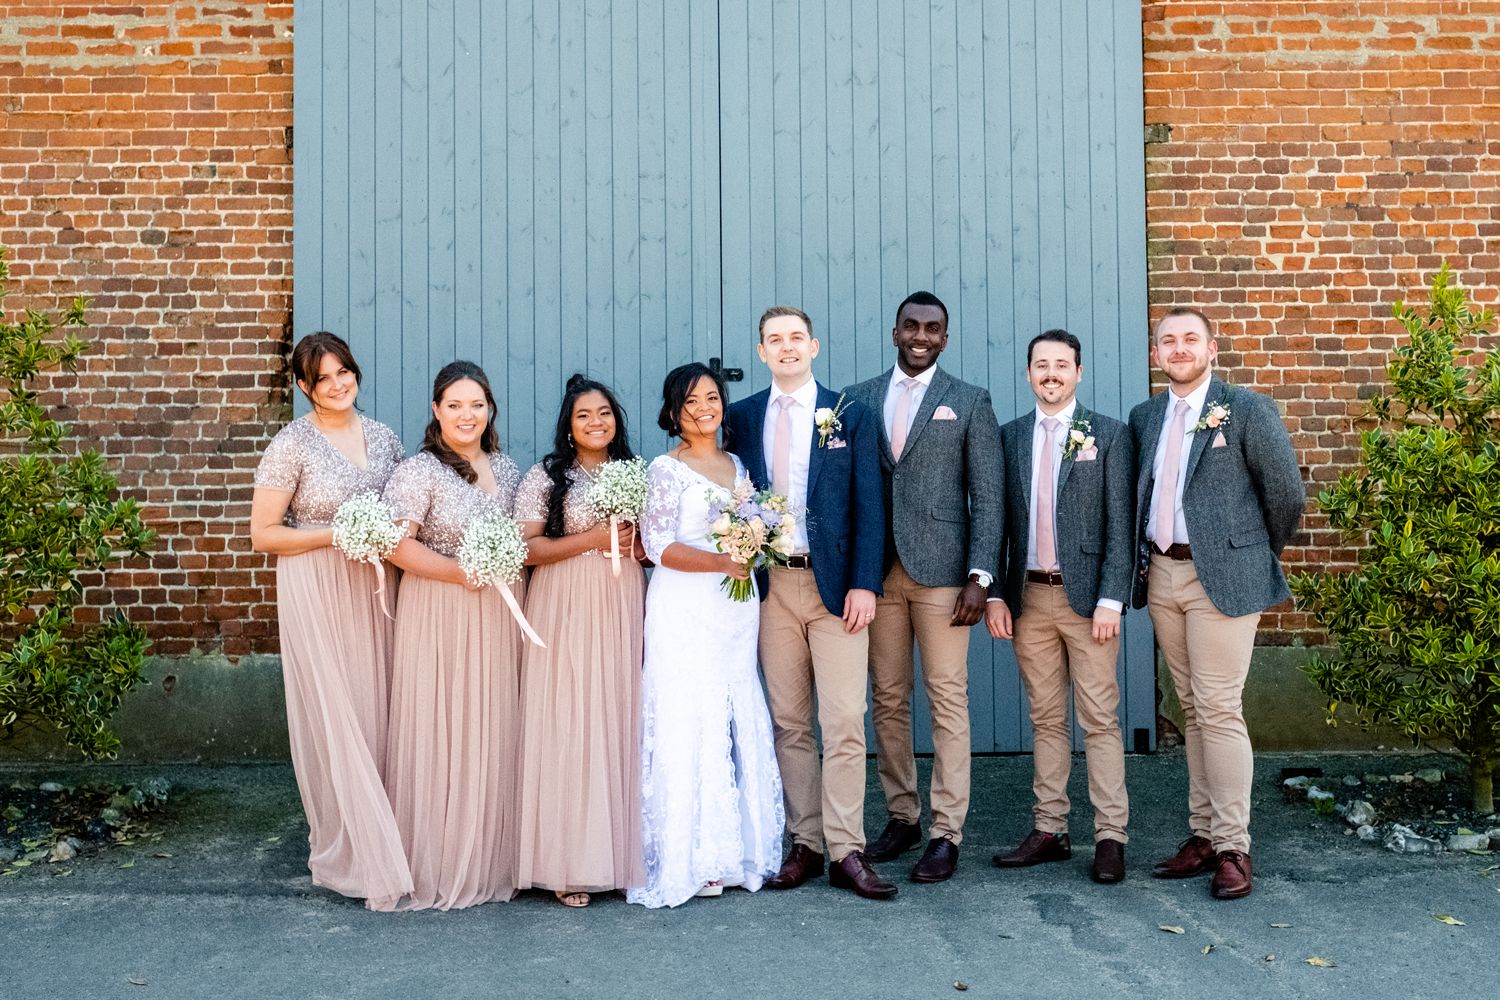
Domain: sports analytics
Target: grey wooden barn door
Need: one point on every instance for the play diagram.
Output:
(618, 187)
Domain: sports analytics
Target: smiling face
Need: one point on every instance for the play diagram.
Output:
(703, 410)
(1184, 351)
(462, 414)
(593, 425)
(1054, 374)
(334, 387)
(920, 335)
(788, 350)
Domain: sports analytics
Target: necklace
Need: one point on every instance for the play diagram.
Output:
(585, 470)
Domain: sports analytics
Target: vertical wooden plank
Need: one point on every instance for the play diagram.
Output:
(1074, 168)
(391, 382)
(493, 292)
(813, 166)
(895, 240)
(708, 326)
(441, 158)
(920, 159)
(335, 145)
(1052, 193)
(746, 152)
(675, 345)
(467, 116)
(532, 332)
(415, 245)
(638, 388)
(767, 75)
(1102, 344)
(785, 168)
(307, 197)
(577, 51)
(598, 278)
(837, 326)
(1026, 237)
(620, 353)
(363, 334)
(873, 314)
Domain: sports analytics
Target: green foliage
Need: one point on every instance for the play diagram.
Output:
(58, 518)
(1418, 625)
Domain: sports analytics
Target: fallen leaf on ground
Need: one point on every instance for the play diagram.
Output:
(1320, 962)
(960, 986)
(1170, 929)
(1281, 926)
(128, 864)
(161, 854)
(135, 981)
(1271, 957)
(1207, 948)
(1451, 921)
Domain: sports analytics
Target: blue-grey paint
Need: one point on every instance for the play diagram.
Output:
(619, 187)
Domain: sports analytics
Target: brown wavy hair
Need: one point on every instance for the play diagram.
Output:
(432, 438)
(307, 358)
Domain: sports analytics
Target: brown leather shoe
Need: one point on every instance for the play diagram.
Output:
(896, 839)
(937, 862)
(1109, 862)
(1194, 856)
(853, 872)
(1232, 877)
(800, 865)
(1037, 848)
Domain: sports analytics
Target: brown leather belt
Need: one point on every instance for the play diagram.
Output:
(1182, 552)
(799, 562)
(1047, 579)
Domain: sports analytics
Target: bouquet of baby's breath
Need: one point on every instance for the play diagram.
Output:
(493, 554)
(755, 529)
(365, 530)
(619, 493)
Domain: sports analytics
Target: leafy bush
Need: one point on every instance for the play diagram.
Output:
(59, 517)
(1418, 625)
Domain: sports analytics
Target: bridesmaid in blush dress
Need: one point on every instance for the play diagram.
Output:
(580, 695)
(335, 637)
(451, 762)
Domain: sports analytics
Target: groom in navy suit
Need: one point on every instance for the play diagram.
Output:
(818, 449)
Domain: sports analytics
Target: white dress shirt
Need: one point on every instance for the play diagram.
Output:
(1059, 443)
(918, 393)
(804, 403)
(1195, 401)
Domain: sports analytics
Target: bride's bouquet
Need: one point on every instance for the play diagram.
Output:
(754, 529)
(619, 493)
(493, 553)
(365, 530)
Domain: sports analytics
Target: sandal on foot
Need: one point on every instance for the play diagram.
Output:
(575, 900)
(714, 888)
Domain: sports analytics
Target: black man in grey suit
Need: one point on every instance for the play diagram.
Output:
(1065, 577)
(1218, 495)
(940, 470)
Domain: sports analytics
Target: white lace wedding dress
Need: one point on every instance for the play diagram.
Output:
(710, 790)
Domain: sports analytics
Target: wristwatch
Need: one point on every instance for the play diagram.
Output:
(980, 577)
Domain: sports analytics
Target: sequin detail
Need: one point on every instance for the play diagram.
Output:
(536, 488)
(424, 490)
(301, 460)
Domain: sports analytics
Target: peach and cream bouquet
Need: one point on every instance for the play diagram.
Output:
(752, 528)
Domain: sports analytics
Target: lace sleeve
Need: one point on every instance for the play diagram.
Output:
(533, 494)
(659, 519)
(409, 490)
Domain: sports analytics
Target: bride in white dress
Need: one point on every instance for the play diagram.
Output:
(711, 803)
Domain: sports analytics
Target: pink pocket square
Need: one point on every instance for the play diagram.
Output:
(836, 443)
(1087, 455)
(944, 413)
(1219, 441)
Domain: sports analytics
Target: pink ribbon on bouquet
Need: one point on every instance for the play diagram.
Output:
(515, 610)
(614, 543)
(380, 588)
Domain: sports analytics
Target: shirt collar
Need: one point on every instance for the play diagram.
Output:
(1195, 399)
(898, 376)
(805, 395)
(1065, 416)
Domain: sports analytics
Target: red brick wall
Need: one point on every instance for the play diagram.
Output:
(1323, 160)
(143, 164)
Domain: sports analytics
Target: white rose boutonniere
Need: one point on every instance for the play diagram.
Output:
(1080, 437)
(828, 420)
(1215, 416)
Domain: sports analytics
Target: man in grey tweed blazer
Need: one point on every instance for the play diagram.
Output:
(940, 466)
(1066, 572)
(1218, 496)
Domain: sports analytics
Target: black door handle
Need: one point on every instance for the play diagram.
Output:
(729, 374)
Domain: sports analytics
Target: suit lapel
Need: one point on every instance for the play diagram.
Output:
(753, 452)
(815, 459)
(1079, 413)
(930, 401)
(1216, 392)
(876, 404)
(1024, 457)
(1148, 444)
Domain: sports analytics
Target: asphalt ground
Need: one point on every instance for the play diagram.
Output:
(231, 913)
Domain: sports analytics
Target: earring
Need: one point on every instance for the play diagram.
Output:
(570, 439)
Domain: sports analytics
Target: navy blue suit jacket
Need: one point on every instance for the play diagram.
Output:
(845, 517)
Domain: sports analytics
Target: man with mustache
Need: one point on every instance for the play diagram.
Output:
(1066, 563)
(1218, 496)
(940, 475)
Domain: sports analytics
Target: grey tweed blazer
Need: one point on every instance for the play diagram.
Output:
(1243, 500)
(1095, 515)
(943, 505)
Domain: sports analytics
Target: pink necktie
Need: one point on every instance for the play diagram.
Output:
(903, 411)
(1046, 541)
(781, 447)
(1166, 483)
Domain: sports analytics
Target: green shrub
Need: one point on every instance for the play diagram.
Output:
(59, 517)
(1418, 624)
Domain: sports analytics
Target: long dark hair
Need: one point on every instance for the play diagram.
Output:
(676, 389)
(307, 358)
(565, 452)
(432, 438)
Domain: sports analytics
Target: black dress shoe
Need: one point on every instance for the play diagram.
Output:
(1037, 848)
(800, 865)
(853, 872)
(937, 862)
(1109, 862)
(896, 839)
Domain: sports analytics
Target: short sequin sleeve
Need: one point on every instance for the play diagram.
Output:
(410, 488)
(281, 466)
(507, 479)
(533, 494)
(388, 442)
